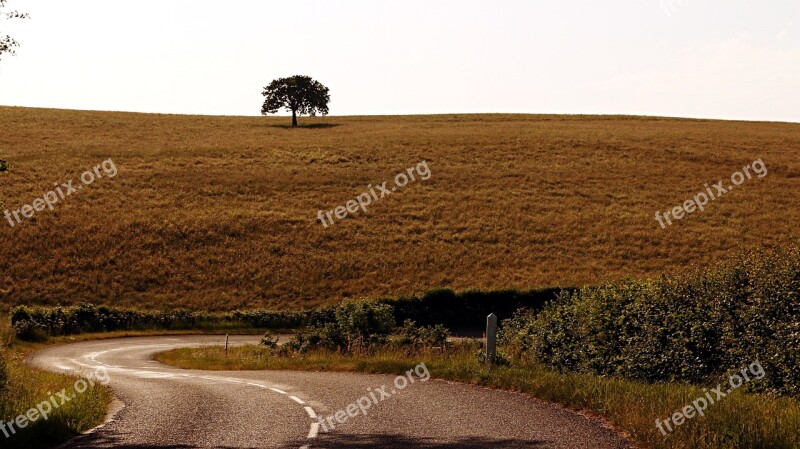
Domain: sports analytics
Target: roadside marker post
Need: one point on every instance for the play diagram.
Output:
(226, 344)
(491, 338)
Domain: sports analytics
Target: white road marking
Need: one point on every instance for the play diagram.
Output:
(144, 373)
(152, 375)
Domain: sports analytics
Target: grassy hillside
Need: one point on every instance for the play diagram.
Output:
(221, 212)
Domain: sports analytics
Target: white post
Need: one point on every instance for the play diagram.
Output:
(491, 337)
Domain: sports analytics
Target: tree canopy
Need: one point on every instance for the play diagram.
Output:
(7, 43)
(299, 94)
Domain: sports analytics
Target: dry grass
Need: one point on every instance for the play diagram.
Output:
(220, 212)
(27, 387)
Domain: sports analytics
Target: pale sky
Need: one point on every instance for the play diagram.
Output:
(733, 59)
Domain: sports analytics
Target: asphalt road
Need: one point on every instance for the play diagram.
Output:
(164, 407)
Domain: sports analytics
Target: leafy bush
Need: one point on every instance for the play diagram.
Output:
(691, 328)
(409, 334)
(28, 330)
(446, 307)
(271, 319)
(35, 324)
(4, 167)
(269, 340)
(354, 328)
(365, 320)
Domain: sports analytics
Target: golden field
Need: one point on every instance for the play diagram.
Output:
(221, 212)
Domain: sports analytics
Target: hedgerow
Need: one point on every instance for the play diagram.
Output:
(686, 328)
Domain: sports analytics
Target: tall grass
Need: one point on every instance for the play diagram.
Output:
(25, 387)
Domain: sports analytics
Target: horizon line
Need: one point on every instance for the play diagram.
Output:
(543, 114)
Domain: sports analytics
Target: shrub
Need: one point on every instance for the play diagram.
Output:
(446, 307)
(4, 167)
(409, 334)
(28, 331)
(354, 327)
(270, 319)
(691, 328)
(468, 309)
(269, 340)
(35, 324)
(365, 320)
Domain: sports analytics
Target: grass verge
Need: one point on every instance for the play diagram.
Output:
(739, 421)
(23, 388)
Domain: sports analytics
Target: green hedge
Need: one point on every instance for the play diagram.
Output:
(468, 309)
(454, 310)
(37, 323)
(690, 328)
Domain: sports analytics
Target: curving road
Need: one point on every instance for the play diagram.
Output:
(164, 407)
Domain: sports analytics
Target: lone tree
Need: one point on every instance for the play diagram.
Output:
(7, 43)
(299, 94)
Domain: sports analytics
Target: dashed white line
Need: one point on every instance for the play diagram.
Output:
(143, 372)
(312, 433)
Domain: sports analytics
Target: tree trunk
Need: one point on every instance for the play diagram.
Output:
(294, 118)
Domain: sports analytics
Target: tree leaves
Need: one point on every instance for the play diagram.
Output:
(298, 94)
(7, 43)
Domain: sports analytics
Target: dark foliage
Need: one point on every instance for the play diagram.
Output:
(356, 327)
(37, 323)
(7, 43)
(298, 94)
(695, 328)
(417, 337)
(468, 310)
